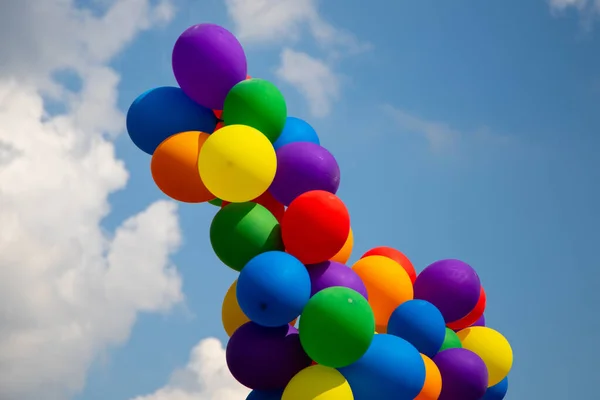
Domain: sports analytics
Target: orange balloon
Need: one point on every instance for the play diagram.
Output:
(388, 286)
(174, 167)
(433, 381)
(344, 254)
(395, 255)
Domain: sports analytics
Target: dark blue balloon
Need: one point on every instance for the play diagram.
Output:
(392, 368)
(420, 323)
(296, 130)
(498, 391)
(265, 395)
(273, 288)
(162, 112)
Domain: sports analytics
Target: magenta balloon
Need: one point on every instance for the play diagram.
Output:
(464, 374)
(450, 285)
(264, 358)
(302, 167)
(330, 273)
(207, 62)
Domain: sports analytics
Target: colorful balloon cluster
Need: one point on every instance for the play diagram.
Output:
(375, 330)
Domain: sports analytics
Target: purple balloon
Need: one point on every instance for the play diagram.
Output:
(480, 321)
(330, 273)
(302, 167)
(450, 285)
(264, 358)
(207, 62)
(464, 374)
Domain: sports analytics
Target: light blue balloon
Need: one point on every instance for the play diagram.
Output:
(265, 395)
(498, 391)
(392, 368)
(273, 288)
(296, 130)
(421, 324)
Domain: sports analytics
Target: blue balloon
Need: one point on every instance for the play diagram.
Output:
(498, 391)
(392, 368)
(162, 112)
(420, 323)
(265, 395)
(273, 288)
(296, 130)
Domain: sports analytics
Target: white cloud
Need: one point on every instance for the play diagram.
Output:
(68, 289)
(563, 4)
(206, 377)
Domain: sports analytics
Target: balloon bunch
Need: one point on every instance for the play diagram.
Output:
(302, 324)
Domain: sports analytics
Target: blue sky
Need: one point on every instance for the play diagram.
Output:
(463, 129)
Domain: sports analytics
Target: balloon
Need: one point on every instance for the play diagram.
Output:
(268, 201)
(396, 256)
(207, 62)
(265, 358)
(472, 317)
(421, 324)
(302, 167)
(492, 347)
(174, 168)
(497, 392)
(241, 231)
(216, 202)
(256, 103)
(296, 130)
(391, 369)
(336, 327)
(315, 226)
(388, 286)
(480, 321)
(433, 381)
(232, 315)
(318, 382)
(463, 373)
(450, 285)
(162, 112)
(237, 163)
(330, 273)
(273, 288)
(265, 395)
(345, 252)
(451, 341)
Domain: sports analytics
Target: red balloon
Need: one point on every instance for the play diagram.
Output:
(218, 114)
(396, 256)
(315, 226)
(267, 201)
(471, 317)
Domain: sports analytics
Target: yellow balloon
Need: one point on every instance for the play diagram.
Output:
(237, 163)
(344, 254)
(318, 382)
(232, 315)
(492, 347)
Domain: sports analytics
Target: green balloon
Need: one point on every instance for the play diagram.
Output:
(256, 103)
(216, 202)
(241, 231)
(336, 327)
(451, 340)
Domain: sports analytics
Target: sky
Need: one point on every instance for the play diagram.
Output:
(463, 129)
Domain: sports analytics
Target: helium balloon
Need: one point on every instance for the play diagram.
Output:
(336, 327)
(208, 61)
(256, 103)
(268, 201)
(241, 231)
(346, 251)
(330, 273)
(396, 256)
(433, 381)
(232, 315)
(216, 202)
(318, 382)
(492, 347)
(265, 395)
(174, 168)
(388, 286)
(463, 373)
(421, 324)
(497, 392)
(451, 341)
(237, 163)
(391, 369)
(162, 112)
(450, 285)
(315, 226)
(302, 167)
(296, 130)
(264, 358)
(273, 288)
(480, 321)
(472, 317)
